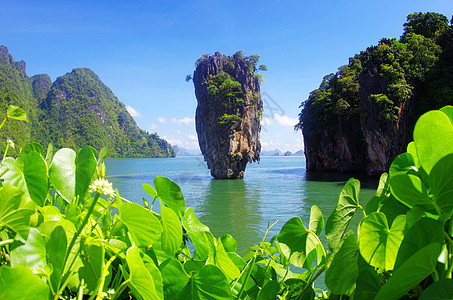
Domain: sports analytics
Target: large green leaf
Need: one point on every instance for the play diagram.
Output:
(19, 283)
(170, 193)
(174, 277)
(441, 183)
(229, 243)
(16, 113)
(424, 232)
(62, 173)
(143, 225)
(35, 175)
(316, 220)
(433, 136)
(85, 168)
(340, 218)
(207, 283)
(140, 281)
(342, 269)
(378, 243)
(29, 173)
(154, 271)
(374, 204)
(223, 261)
(15, 210)
(410, 273)
(439, 290)
(294, 235)
(56, 251)
(149, 190)
(32, 253)
(92, 257)
(172, 231)
(406, 183)
(368, 282)
(196, 230)
(269, 291)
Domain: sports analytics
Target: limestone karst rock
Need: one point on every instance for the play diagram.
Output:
(228, 113)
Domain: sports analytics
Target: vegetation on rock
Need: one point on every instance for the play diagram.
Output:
(382, 91)
(76, 110)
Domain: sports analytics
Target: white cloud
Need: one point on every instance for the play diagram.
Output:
(183, 121)
(266, 121)
(153, 127)
(192, 137)
(286, 121)
(133, 112)
(162, 120)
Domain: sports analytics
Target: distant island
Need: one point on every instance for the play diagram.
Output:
(77, 109)
(362, 117)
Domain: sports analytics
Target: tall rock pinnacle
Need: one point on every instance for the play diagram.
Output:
(228, 112)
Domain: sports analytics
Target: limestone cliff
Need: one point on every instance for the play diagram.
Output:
(228, 113)
(361, 117)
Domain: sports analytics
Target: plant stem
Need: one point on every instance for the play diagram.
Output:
(251, 263)
(74, 238)
(3, 123)
(310, 283)
(6, 242)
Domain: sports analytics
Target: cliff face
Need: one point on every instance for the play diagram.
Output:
(361, 117)
(228, 114)
(75, 110)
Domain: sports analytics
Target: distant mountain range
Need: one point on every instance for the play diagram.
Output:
(77, 109)
(180, 151)
(277, 152)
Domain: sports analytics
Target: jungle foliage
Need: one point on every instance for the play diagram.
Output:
(66, 234)
(76, 110)
(417, 66)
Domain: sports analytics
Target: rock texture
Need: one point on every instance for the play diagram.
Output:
(228, 114)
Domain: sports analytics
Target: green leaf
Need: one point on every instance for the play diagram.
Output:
(49, 155)
(381, 194)
(424, 232)
(207, 283)
(196, 230)
(21, 283)
(340, 218)
(170, 193)
(15, 210)
(140, 281)
(410, 273)
(143, 225)
(16, 113)
(269, 291)
(29, 173)
(229, 243)
(441, 183)
(154, 271)
(35, 176)
(294, 235)
(92, 257)
(149, 190)
(85, 168)
(377, 243)
(172, 231)
(223, 261)
(31, 254)
(174, 277)
(433, 137)
(439, 290)
(368, 282)
(62, 173)
(342, 269)
(56, 251)
(405, 182)
(316, 220)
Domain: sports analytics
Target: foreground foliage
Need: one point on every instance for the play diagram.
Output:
(66, 234)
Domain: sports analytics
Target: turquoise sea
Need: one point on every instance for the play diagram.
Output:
(278, 188)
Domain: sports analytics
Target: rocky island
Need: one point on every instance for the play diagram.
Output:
(361, 118)
(228, 112)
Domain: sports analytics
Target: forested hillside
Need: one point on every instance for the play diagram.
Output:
(75, 110)
(361, 117)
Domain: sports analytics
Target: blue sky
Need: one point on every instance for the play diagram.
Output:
(143, 50)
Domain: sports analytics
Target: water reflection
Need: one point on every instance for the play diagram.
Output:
(232, 206)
